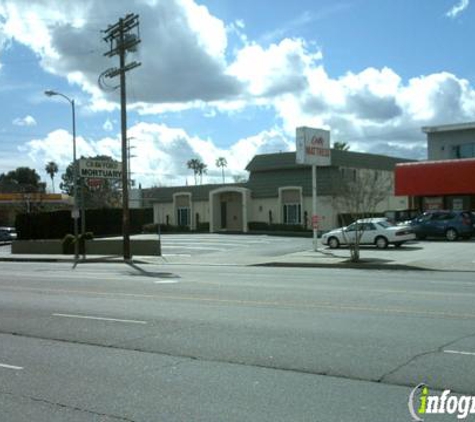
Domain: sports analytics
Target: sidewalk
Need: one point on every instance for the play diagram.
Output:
(435, 256)
(426, 256)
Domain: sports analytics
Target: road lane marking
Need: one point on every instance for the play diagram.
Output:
(130, 321)
(312, 305)
(4, 365)
(457, 352)
(187, 255)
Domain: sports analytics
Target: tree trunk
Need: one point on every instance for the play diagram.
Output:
(354, 253)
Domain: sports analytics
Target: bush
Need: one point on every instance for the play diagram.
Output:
(68, 244)
(262, 226)
(202, 227)
(164, 228)
(82, 241)
(258, 225)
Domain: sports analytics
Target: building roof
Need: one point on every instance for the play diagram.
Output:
(449, 128)
(434, 178)
(198, 192)
(339, 158)
(269, 172)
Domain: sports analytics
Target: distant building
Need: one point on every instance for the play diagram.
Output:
(278, 191)
(447, 179)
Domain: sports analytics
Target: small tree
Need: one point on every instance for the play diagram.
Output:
(106, 195)
(342, 146)
(194, 165)
(51, 168)
(222, 162)
(202, 169)
(360, 193)
(240, 178)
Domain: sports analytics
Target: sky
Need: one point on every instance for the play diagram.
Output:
(226, 78)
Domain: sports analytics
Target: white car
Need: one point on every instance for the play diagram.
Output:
(372, 231)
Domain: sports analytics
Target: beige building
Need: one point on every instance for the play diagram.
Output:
(278, 191)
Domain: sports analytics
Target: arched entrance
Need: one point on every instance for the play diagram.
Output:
(228, 209)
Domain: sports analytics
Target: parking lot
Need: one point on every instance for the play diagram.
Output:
(223, 249)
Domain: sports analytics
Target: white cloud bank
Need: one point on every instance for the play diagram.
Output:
(457, 9)
(188, 64)
(161, 152)
(24, 121)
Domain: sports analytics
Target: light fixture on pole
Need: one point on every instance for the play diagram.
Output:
(75, 212)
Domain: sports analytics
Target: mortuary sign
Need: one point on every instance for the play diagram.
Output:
(313, 146)
(100, 169)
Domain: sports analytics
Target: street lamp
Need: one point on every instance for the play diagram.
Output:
(50, 93)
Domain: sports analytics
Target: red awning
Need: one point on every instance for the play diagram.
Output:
(432, 178)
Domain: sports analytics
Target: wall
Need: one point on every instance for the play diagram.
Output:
(259, 210)
(440, 144)
(160, 212)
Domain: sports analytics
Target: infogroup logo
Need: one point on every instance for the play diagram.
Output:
(422, 403)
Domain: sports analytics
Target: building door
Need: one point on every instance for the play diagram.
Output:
(224, 214)
(183, 217)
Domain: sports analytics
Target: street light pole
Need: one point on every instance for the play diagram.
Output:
(50, 93)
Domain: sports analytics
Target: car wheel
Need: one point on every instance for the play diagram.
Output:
(451, 234)
(381, 242)
(334, 243)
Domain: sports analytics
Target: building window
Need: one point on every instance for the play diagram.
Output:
(348, 174)
(463, 151)
(183, 216)
(292, 213)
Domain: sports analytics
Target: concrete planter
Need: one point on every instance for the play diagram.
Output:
(42, 247)
(115, 247)
(146, 247)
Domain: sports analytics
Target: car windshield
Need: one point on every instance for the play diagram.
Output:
(384, 224)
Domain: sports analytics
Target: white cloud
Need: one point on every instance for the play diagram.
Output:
(183, 46)
(108, 126)
(58, 147)
(187, 64)
(24, 121)
(457, 9)
(276, 70)
(160, 153)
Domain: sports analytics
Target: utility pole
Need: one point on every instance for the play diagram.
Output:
(121, 40)
(129, 157)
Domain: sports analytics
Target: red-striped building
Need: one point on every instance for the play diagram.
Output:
(447, 180)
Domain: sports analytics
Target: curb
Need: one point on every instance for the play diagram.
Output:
(72, 261)
(346, 265)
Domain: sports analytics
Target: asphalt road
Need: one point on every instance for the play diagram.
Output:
(206, 343)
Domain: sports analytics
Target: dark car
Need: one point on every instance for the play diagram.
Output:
(7, 234)
(441, 223)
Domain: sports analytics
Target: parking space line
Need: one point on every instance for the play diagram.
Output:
(16, 368)
(458, 352)
(130, 321)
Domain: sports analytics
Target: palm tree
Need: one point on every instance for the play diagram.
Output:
(342, 146)
(194, 164)
(51, 168)
(202, 169)
(222, 162)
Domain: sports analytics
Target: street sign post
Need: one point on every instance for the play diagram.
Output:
(313, 148)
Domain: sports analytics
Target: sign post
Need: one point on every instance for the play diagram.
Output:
(313, 148)
(95, 172)
(99, 169)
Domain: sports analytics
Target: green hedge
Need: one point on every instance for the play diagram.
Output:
(57, 224)
(262, 226)
(164, 228)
